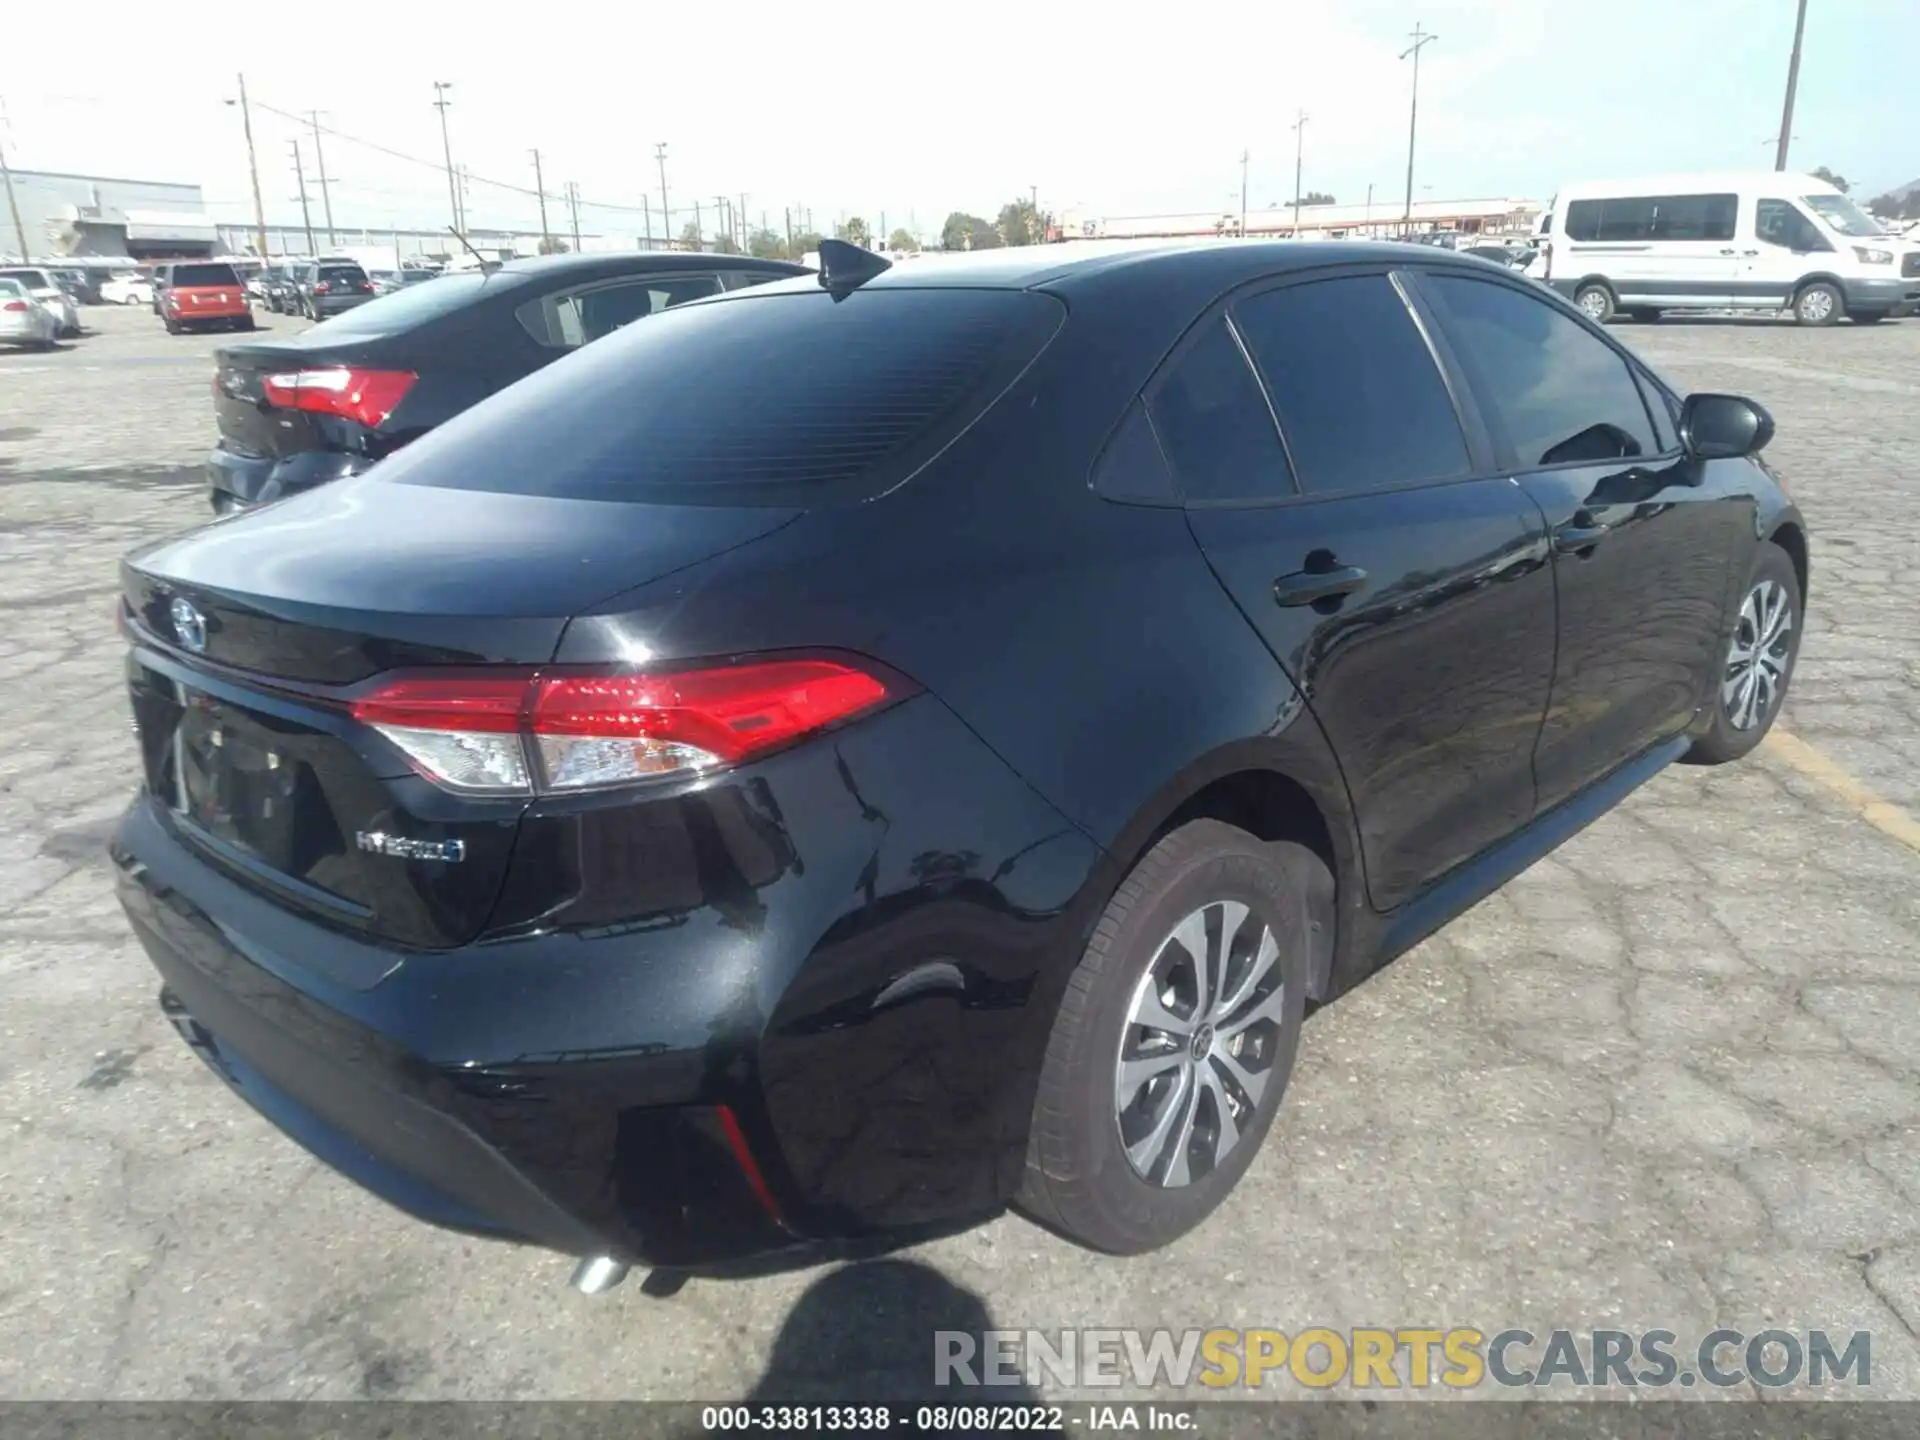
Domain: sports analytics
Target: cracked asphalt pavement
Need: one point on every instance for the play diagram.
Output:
(1668, 1078)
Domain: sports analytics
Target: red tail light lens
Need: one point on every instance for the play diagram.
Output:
(368, 396)
(521, 732)
(14, 305)
(322, 288)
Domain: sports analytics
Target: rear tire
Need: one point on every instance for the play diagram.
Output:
(173, 327)
(1751, 684)
(1126, 1160)
(1595, 302)
(1819, 304)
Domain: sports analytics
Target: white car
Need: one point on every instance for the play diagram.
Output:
(23, 319)
(41, 286)
(127, 289)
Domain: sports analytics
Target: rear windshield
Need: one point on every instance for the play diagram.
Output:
(770, 398)
(186, 275)
(32, 279)
(412, 305)
(10, 286)
(343, 274)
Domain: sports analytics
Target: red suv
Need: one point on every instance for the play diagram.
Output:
(204, 295)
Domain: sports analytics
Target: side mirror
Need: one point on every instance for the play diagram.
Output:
(1723, 427)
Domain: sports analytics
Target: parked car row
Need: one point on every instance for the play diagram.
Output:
(316, 289)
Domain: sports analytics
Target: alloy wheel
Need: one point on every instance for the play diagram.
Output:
(1757, 660)
(1197, 1051)
(1816, 305)
(1593, 304)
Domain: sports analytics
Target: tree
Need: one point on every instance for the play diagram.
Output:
(690, 238)
(1021, 224)
(967, 232)
(552, 245)
(1836, 181)
(1897, 204)
(766, 245)
(855, 232)
(726, 245)
(1316, 197)
(807, 242)
(902, 239)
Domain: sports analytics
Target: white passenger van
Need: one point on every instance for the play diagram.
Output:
(1765, 240)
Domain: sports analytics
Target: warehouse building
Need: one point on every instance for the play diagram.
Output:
(94, 215)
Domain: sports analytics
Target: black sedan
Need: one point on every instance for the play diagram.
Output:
(856, 753)
(300, 410)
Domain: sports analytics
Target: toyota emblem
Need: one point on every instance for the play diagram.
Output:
(188, 623)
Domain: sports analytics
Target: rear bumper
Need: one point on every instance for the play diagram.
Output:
(236, 481)
(805, 1004)
(544, 1155)
(337, 304)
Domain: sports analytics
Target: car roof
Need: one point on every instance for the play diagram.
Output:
(627, 262)
(1079, 265)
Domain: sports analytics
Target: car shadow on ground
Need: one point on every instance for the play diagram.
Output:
(865, 1333)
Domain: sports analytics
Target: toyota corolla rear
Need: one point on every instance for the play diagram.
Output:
(546, 929)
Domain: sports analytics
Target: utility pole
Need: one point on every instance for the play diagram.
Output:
(666, 215)
(540, 188)
(306, 217)
(1421, 39)
(440, 103)
(1793, 84)
(1299, 145)
(741, 214)
(320, 164)
(789, 232)
(13, 204)
(699, 229)
(1035, 234)
(573, 201)
(253, 168)
(722, 220)
(1369, 209)
(646, 219)
(1243, 194)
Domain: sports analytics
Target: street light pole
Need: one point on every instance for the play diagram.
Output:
(1299, 141)
(1421, 40)
(666, 215)
(1793, 84)
(306, 217)
(253, 168)
(1243, 194)
(440, 103)
(320, 164)
(540, 186)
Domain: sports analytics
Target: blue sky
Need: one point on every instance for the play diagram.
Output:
(1119, 110)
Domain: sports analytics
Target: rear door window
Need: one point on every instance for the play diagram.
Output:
(1359, 398)
(570, 318)
(785, 397)
(187, 276)
(1214, 424)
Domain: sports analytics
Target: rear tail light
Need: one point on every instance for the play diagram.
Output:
(15, 305)
(321, 288)
(522, 732)
(368, 396)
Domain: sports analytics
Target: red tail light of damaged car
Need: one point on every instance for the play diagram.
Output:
(528, 731)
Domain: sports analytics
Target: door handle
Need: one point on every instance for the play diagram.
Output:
(1308, 587)
(1578, 539)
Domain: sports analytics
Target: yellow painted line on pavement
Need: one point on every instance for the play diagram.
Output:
(1816, 764)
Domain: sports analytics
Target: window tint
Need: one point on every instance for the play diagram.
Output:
(185, 276)
(571, 318)
(1560, 394)
(1359, 398)
(1133, 467)
(742, 279)
(1214, 424)
(761, 399)
(411, 305)
(343, 275)
(1777, 222)
(1653, 217)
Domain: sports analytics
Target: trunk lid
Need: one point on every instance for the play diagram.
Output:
(248, 424)
(251, 636)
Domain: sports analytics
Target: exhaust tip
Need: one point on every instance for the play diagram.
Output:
(598, 1274)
